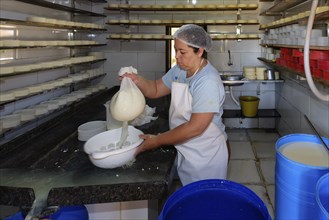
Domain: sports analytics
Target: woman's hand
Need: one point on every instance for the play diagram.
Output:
(132, 76)
(149, 143)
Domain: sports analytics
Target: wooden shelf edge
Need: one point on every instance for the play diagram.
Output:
(167, 38)
(47, 4)
(282, 6)
(295, 46)
(42, 69)
(98, 1)
(182, 23)
(219, 7)
(4, 21)
(26, 47)
(318, 17)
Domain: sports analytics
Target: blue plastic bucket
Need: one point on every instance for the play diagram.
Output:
(78, 212)
(295, 182)
(322, 198)
(64, 213)
(214, 199)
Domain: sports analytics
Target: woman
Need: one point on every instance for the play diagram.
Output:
(197, 96)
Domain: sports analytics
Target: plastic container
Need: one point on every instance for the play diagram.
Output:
(90, 129)
(322, 198)
(319, 55)
(64, 213)
(104, 153)
(214, 199)
(249, 105)
(295, 182)
(323, 64)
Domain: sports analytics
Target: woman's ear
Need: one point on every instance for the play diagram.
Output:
(200, 52)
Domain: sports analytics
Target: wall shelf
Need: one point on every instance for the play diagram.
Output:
(98, 1)
(169, 37)
(281, 7)
(322, 14)
(2, 103)
(5, 21)
(67, 40)
(294, 46)
(5, 75)
(4, 132)
(261, 113)
(182, 7)
(182, 22)
(61, 7)
(26, 47)
(287, 69)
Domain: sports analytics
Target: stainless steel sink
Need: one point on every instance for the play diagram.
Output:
(232, 80)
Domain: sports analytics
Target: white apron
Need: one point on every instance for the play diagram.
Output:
(204, 156)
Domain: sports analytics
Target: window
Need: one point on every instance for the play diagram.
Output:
(172, 49)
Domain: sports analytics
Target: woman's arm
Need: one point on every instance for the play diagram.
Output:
(198, 123)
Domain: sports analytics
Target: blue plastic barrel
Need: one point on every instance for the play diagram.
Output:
(214, 199)
(295, 182)
(64, 213)
(322, 198)
(78, 212)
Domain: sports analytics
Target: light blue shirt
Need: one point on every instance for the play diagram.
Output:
(206, 88)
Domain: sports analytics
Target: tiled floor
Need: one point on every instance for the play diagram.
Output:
(252, 161)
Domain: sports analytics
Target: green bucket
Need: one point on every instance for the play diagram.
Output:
(249, 105)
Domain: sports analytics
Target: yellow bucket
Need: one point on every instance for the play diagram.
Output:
(249, 105)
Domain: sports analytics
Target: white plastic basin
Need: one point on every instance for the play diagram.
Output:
(102, 152)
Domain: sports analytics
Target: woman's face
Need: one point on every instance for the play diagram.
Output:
(186, 58)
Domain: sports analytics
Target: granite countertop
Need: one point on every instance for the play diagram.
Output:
(51, 159)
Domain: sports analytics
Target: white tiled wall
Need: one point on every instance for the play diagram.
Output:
(295, 101)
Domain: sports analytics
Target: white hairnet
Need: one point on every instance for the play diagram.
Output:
(194, 35)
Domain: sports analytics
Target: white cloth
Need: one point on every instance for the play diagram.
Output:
(145, 117)
(204, 156)
(128, 69)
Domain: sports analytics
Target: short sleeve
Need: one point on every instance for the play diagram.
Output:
(171, 75)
